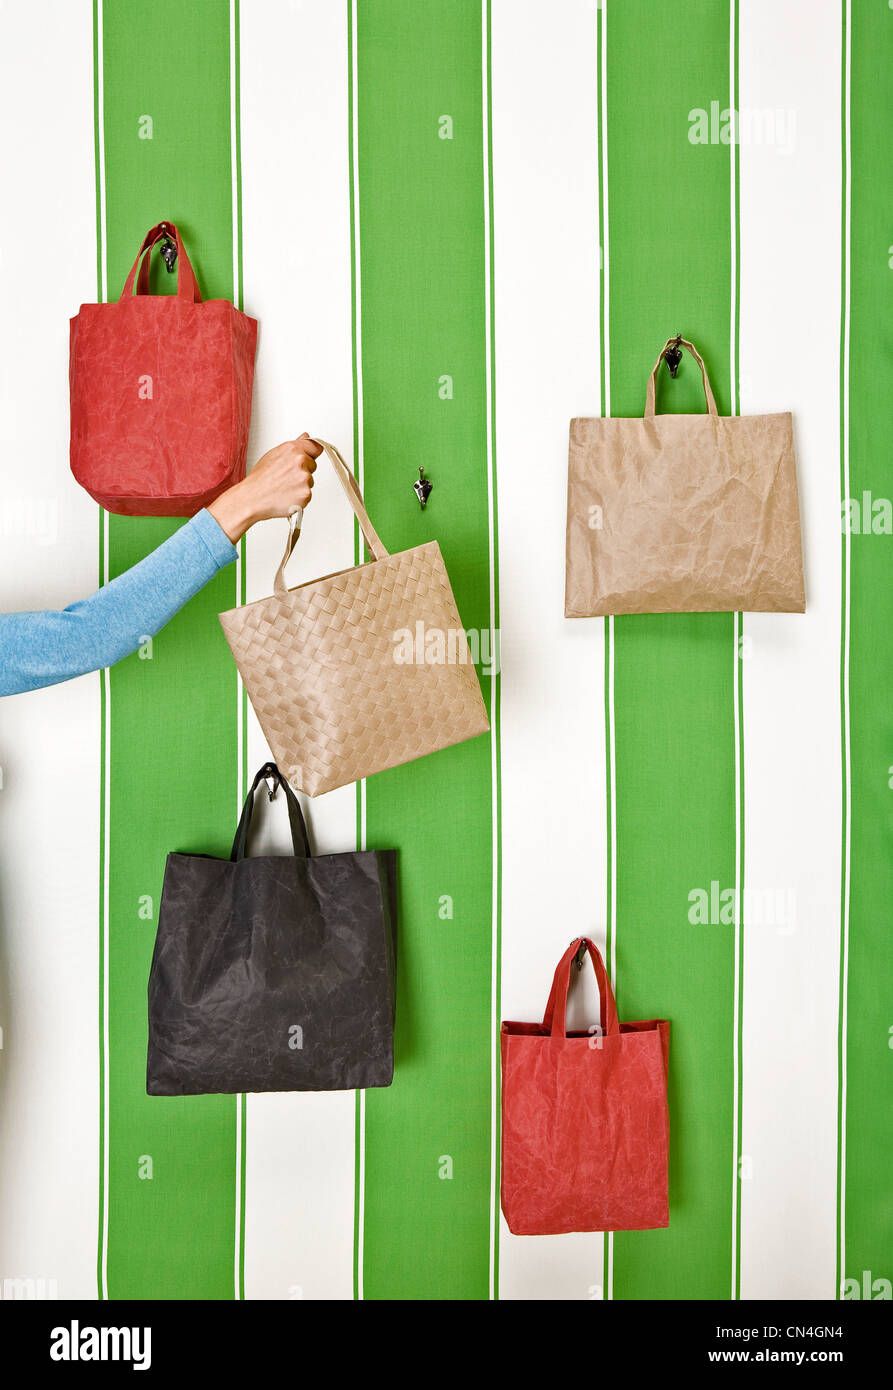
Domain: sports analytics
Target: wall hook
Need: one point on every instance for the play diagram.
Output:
(422, 488)
(673, 355)
(169, 255)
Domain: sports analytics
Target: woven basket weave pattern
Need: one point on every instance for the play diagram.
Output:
(321, 669)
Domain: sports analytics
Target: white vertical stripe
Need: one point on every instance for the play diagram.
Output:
(733, 218)
(608, 624)
(359, 1252)
(105, 964)
(612, 793)
(299, 1203)
(237, 1239)
(360, 1201)
(494, 736)
(358, 277)
(790, 312)
(545, 177)
(736, 664)
(105, 1118)
(605, 226)
(736, 983)
(240, 721)
(49, 739)
(234, 142)
(100, 153)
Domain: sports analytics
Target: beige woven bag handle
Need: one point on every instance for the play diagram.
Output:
(354, 497)
(671, 342)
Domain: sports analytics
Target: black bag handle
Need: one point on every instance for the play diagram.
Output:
(295, 815)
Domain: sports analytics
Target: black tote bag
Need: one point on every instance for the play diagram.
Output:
(273, 973)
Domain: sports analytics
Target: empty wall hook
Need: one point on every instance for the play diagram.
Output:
(422, 488)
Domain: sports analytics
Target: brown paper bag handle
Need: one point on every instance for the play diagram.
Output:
(354, 497)
(671, 342)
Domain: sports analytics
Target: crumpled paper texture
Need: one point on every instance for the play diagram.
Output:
(172, 452)
(248, 951)
(585, 1125)
(683, 514)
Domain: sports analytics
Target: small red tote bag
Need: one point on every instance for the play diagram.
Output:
(585, 1124)
(160, 393)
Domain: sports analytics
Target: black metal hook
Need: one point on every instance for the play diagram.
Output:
(423, 488)
(169, 254)
(270, 774)
(673, 355)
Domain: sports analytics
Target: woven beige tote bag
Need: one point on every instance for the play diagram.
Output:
(683, 513)
(343, 673)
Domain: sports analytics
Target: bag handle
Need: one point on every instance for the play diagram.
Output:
(187, 285)
(679, 342)
(354, 497)
(300, 842)
(555, 1017)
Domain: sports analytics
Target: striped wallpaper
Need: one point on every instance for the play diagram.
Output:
(459, 224)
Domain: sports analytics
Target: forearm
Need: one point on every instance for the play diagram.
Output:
(236, 509)
(38, 649)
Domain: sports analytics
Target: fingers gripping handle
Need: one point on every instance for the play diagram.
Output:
(354, 497)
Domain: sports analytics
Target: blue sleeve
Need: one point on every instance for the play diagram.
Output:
(38, 649)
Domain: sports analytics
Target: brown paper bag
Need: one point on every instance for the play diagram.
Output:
(683, 513)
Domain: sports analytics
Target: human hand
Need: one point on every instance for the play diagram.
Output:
(277, 485)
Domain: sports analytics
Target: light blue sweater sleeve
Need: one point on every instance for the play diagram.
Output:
(38, 649)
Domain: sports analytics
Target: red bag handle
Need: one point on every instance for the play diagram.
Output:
(555, 1017)
(143, 261)
(187, 285)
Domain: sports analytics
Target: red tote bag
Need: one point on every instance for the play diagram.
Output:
(160, 393)
(585, 1124)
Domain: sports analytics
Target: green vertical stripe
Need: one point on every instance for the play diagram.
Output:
(422, 261)
(868, 1058)
(174, 756)
(670, 271)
